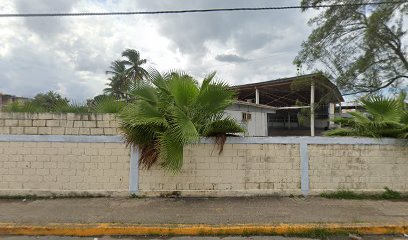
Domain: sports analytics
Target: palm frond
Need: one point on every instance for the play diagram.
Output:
(173, 111)
(170, 151)
(384, 117)
(381, 108)
(223, 126)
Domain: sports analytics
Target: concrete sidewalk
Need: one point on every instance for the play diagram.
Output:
(252, 212)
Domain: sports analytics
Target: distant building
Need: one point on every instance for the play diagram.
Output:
(281, 107)
(252, 116)
(6, 99)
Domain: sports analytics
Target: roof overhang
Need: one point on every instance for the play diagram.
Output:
(285, 85)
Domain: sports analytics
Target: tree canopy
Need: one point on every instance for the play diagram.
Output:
(362, 48)
(175, 110)
(382, 117)
(125, 73)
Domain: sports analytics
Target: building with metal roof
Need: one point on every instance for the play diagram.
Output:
(293, 100)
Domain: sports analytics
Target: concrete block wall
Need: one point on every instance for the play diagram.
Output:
(69, 154)
(83, 154)
(58, 124)
(241, 169)
(280, 166)
(358, 167)
(47, 168)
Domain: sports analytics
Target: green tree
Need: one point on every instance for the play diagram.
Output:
(135, 72)
(119, 81)
(175, 110)
(361, 47)
(49, 101)
(383, 117)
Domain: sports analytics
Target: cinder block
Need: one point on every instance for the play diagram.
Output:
(78, 124)
(45, 116)
(4, 130)
(11, 123)
(110, 131)
(52, 123)
(59, 116)
(17, 130)
(84, 131)
(50, 165)
(25, 123)
(89, 124)
(85, 117)
(113, 124)
(69, 124)
(31, 130)
(71, 116)
(58, 130)
(102, 124)
(5, 115)
(39, 123)
(96, 131)
(71, 131)
(44, 130)
(43, 172)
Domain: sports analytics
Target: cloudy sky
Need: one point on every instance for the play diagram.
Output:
(71, 55)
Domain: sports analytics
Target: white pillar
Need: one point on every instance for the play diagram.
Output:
(256, 96)
(331, 115)
(312, 110)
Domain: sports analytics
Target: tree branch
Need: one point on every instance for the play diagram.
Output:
(389, 82)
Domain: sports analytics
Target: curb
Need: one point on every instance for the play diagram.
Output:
(83, 230)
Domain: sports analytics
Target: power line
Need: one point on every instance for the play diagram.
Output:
(79, 14)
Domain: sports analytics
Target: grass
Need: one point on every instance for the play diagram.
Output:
(104, 105)
(318, 233)
(53, 196)
(388, 194)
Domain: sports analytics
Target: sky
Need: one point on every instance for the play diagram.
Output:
(70, 55)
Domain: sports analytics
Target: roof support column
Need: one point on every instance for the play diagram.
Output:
(312, 108)
(331, 115)
(256, 96)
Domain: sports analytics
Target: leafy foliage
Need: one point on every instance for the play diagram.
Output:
(106, 104)
(125, 73)
(100, 104)
(175, 110)
(50, 100)
(22, 107)
(119, 81)
(383, 117)
(361, 47)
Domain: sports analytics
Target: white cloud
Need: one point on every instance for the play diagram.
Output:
(70, 55)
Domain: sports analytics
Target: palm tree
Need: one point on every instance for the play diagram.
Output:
(118, 82)
(383, 117)
(175, 110)
(135, 71)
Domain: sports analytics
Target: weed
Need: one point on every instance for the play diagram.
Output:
(319, 233)
(388, 194)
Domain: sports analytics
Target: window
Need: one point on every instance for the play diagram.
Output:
(246, 116)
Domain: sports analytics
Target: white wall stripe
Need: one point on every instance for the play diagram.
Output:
(134, 170)
(304, 169)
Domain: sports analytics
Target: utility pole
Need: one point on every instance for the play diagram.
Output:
(312, 109)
